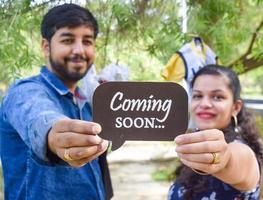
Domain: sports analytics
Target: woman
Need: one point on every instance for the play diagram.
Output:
(221, 160)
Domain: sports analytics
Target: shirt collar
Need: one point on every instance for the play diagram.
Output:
(54, 81)
(78, 97)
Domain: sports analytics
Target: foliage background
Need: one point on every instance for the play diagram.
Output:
(142, 34)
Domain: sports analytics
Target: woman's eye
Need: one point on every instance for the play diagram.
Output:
(196, 96)
(218, 98)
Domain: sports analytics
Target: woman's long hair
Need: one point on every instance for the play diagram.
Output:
(248, 133)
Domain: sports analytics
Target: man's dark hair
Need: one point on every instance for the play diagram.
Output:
(67, 15)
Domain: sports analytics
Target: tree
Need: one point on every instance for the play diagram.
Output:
(233, 28)
(140, 33)
(19, 25)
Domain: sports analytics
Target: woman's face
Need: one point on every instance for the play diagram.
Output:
(212, 104)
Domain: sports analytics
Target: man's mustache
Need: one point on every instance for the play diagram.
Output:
(76, 58)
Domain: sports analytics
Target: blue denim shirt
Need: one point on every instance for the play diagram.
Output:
(27, 113)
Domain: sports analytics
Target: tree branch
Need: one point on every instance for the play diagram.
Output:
(142, 5)
(107, 37)
(250, 64)
(8, 9)
(254, 37)
(243, 59)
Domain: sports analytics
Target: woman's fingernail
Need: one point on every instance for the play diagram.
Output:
(177, 140)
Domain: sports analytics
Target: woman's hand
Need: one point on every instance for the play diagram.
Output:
(205, 151)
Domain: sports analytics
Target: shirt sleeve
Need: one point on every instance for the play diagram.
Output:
(174, 70)
(31, 111)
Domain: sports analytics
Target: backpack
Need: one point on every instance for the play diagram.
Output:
(184, 64)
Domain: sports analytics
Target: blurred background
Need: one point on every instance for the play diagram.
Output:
(144, 34)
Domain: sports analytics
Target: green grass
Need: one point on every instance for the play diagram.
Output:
(163, 174)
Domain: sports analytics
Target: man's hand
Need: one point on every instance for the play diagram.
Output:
(76, 142)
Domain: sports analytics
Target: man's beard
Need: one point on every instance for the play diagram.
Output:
(63, 71)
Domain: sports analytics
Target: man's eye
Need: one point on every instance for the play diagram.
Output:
(87, 42)
(67, 41)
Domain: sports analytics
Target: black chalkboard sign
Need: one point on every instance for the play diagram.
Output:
(148, 111)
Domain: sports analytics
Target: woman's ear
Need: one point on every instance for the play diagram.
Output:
(237, 107)
(45, 47)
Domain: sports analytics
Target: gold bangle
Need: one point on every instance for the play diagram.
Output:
(199, 172)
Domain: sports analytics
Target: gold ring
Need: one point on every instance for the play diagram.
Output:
(216, 158)
(66, 155)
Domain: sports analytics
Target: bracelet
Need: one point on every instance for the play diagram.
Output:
(199, 172)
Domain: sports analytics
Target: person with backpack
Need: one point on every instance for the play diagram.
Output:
(185, 63)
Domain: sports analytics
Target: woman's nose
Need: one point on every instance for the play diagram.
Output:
(205, 102)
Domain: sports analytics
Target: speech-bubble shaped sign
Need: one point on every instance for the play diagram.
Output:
(147, 111)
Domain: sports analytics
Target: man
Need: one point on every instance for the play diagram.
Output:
(48, 151)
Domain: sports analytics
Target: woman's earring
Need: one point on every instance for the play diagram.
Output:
(236, 127)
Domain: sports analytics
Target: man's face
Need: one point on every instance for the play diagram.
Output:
(71, 52)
